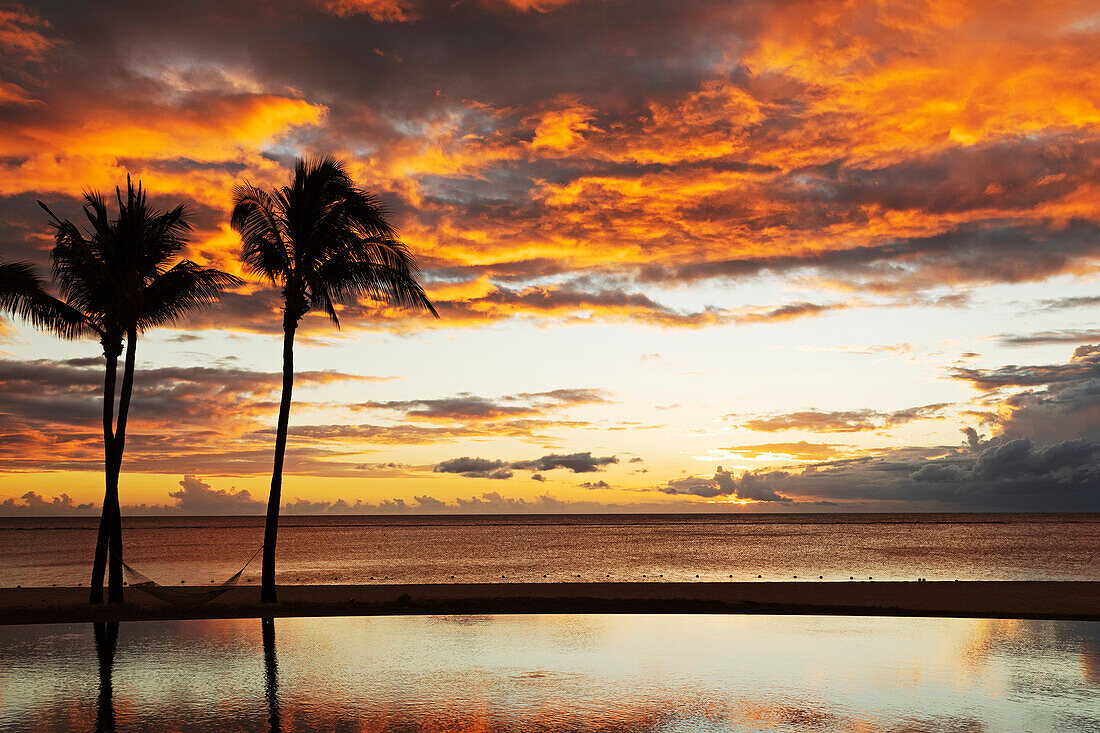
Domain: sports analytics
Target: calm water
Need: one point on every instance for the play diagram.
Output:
(44, 551)
(557, 673)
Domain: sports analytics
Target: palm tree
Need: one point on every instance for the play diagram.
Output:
(116, 280)
(19, 287)
(323, 242)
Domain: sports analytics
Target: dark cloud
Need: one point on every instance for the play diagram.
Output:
(475, 468)
(752, 486)
(842, 421)
(1080, 301)
(497, 469)
(1060, 336)
(975, 252)
(1085, 365)
(575, 462)
(595, 485)
(1029, 465)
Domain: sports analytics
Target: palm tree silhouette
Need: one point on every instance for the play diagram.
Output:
(20, 286)
(23, 294)
(323, 241)
(116, 280)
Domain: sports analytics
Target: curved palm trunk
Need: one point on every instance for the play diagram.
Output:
(99, 562)
(271, 528)
(114, 584)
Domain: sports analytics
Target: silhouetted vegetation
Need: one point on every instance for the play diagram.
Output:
(323, 242)
(115, 280)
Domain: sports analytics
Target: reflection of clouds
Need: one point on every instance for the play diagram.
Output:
(562, 673)
(1064, 655)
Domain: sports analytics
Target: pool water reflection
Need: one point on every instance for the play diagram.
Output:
(663, 673)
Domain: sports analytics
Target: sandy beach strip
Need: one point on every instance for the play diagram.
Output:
(978, 599)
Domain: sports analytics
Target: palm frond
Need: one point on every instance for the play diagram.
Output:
(18, 282)
(119, 273)
(326, 242)
(184, 287)
(260, 222)
(23, 294)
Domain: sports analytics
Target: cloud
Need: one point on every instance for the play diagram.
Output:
(593, 485)
(424, 435)
(1029, 464)
(1086, 301)
(195, 496)
(199, 419)
(1085, 365)
(34, 505)
(396, 11)
(843, 421)
(575, 462)
(474, 468)
(802, 450)
(749, 486)
(1060, 336)
(22, 34)
(470, 407)
(572, 183)
(498, 469)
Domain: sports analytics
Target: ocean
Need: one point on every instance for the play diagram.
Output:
(565, 548)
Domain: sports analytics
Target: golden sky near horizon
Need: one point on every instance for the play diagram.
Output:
(687, 255)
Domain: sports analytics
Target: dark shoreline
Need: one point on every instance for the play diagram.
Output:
(1064, 600)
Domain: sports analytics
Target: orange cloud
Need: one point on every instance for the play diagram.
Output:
(396, 11)
(539, 6)
(560, 129)
(21, 33)
(881, 147)
(70, 155)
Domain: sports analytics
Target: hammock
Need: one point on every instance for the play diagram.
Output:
(193, 596)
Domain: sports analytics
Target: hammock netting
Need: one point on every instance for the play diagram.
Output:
(186, 596)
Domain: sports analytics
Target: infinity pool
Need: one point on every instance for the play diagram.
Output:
(667, 673)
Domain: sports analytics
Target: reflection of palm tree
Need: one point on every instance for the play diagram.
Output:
(271, 674)
(117, 280)
(106, 640)
(323, 241)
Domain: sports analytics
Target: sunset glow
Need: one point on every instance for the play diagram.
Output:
(687, 256)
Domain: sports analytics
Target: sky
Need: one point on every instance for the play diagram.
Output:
(688, 256)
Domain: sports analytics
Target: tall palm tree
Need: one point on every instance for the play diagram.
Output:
(117, 280)
(322, 241)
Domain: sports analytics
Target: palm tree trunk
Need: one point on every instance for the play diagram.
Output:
(99, 562)
(271, 528)
(114, 583)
